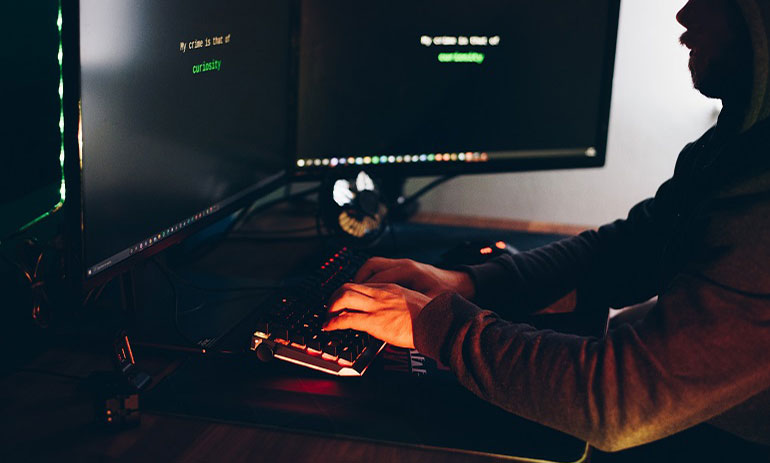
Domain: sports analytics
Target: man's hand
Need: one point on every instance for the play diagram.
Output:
(385, 311)
(422, 278)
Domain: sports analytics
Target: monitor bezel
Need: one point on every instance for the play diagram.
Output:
(76, 267)
(546, 162)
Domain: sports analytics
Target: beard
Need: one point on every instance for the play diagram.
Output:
(721, 72)
(709, 78)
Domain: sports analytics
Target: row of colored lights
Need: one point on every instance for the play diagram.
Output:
(407, 158)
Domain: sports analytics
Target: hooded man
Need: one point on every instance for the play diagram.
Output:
(701, 245)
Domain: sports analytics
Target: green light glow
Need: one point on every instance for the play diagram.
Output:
(461, 57)
(206, 66)
(62, 187)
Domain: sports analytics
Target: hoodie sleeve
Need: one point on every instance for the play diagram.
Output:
(615, 265)
(700, 351)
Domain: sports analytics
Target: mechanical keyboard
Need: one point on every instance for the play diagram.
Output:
(289, 327)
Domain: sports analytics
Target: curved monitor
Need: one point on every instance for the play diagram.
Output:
(182, 116)
(430, 86)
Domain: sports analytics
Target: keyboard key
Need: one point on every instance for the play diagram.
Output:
(298, 338)
(348, 353)
(314, 342)
(330, 348)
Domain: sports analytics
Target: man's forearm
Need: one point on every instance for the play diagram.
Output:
(676, 369)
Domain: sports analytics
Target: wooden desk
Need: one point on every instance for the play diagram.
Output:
(50, 418)
(47, 415)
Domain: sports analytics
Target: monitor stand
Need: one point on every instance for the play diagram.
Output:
(393, 193)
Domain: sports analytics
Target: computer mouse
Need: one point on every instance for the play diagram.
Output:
(475, 252)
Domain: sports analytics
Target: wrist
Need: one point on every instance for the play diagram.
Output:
(464, 285)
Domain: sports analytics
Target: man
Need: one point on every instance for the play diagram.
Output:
(701, 245)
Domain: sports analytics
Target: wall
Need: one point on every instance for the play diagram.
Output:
(654, 113)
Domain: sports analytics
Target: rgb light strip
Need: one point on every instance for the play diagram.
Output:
(402, 159)
(60, 55)
(62, 186)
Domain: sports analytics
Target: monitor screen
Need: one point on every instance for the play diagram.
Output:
(183, 113)
(429, 84)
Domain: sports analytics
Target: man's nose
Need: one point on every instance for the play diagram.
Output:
(684, 16)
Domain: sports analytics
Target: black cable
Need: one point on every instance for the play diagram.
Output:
(17, 266)
(248, 212)
(175, 295)
(424, 190)
(36, 284)
(96, 293)
(392, 233)
(177, 326)
(319, 224)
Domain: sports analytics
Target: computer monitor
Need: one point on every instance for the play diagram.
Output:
(416, 87)
(175, 115)
(31, 173)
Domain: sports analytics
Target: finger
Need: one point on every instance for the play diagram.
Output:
(350, 300)
(390, 275)
(371, 290)
(372, 266)
(347, 320)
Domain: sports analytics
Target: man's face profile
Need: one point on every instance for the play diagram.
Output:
(720, 47)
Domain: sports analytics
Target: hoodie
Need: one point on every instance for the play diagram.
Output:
(702, 354)
(757, 15)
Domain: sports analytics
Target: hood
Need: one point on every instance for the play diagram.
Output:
(757, 14)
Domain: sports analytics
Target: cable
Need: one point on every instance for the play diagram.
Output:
(319, 229)
(175, 295)
(424, 190)
(392, 233)
(193, 350)
(37, 285)
(17, 266)
(248, 212)
(177, 327)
